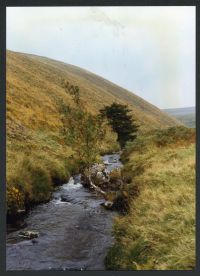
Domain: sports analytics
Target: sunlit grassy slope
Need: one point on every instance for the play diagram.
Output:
(34, 142)
(159, 230)
(34, 82)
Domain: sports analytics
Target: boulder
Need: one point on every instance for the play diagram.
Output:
(97, 168)
(107, 204)
(21, 212)
(29, 234)
(99, 174)
(64, 198)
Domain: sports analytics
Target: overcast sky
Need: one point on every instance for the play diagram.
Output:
(148, 50)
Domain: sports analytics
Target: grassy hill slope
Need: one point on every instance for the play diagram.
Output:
(37, 156)
(34, 82)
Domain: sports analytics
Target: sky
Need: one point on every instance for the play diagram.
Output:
(148, 50)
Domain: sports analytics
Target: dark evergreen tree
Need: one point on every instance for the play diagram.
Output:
(121, 122)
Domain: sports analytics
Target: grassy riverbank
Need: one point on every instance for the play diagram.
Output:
(159, 230)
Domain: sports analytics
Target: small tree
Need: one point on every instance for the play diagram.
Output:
(121, 122)
(83, 131)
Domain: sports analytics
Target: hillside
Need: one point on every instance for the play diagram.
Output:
(36, 153)
(185, 115)
(33, 82)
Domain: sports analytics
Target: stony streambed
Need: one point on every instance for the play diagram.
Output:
(73, 235)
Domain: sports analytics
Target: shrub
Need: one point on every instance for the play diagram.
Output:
(14, 199)
(41, 184)
(172, 135)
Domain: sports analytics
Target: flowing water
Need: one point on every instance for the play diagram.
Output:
(73, 235)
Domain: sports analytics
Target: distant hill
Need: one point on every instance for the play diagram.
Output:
(186, 115)
(180, 111)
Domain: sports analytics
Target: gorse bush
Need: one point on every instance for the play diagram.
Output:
(14, 198)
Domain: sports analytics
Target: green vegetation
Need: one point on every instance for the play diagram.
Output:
(83, 131)
(121, 122)
(159, 230)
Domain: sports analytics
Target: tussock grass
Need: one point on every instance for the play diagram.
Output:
(159, 231)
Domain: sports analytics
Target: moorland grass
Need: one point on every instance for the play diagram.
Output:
(159, 230)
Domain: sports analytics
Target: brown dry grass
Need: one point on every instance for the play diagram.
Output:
(159, 231)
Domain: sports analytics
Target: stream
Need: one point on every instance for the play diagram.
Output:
(73, 235)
